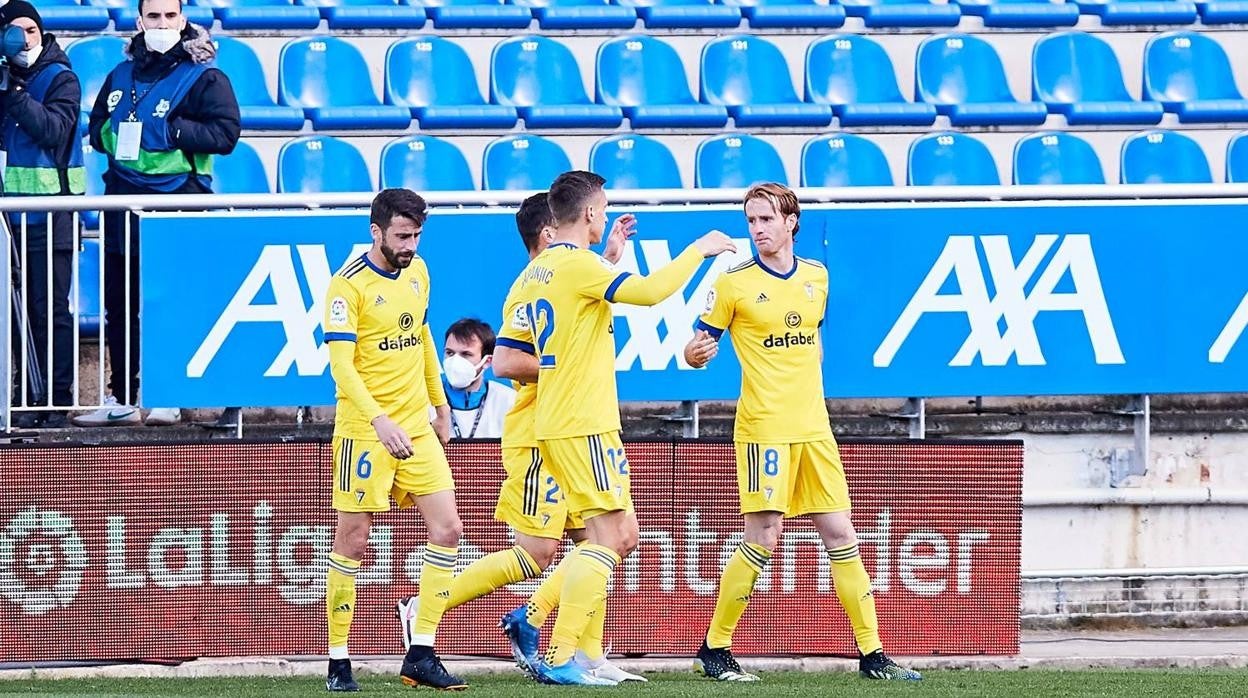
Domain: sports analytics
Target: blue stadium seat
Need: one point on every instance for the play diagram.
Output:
(93, 58)
(645, 77)
(844, 160)
(1078, 75)
(579, 14)
(522, 161)
(684, 14)
(68, 15)
(262, 14)
(239, 62)
(736, 160)
(475, 14)
(319, 164)
(1237, 159)
(949, 159)
(1119, 12)
(963, 76)
(903, 13)
(1223, 11)
(86, 307)
(1022, 13)
(633, 161)
(785, 14)
(368, 14)
(1053, 157)
(434, 78)
(126, 12)
(855, 75)
(1190, 75)
(424, 163)
(327, 78)
(95, 164)
(539, 76)
(1163, 157)
(240, 172)
(749, 75)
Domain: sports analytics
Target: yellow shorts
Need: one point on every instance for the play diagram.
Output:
(366, 475)
(593, 471)
(797, 479)
(530, 499)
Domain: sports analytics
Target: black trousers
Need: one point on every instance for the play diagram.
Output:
(60, 382)
(121, 324)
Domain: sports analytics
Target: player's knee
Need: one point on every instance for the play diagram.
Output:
(626, 541)
(542, 550)
(445, 533)
(765, 536)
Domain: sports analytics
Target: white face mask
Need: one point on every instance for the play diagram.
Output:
(28, 57)
(461, 372)
(161, 40)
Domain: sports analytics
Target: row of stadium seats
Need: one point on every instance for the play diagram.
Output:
(316, 164)
(95, 15)
(537, 78)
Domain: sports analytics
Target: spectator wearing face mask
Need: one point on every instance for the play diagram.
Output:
(160, 117)
(477, 405)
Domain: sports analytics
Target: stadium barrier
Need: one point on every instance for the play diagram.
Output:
(175, 551)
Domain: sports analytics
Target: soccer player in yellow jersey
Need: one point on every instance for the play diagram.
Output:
(384, 364)
(566, 293)
(530, 500)
(787, 460)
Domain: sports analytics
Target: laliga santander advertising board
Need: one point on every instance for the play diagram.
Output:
(219, 549)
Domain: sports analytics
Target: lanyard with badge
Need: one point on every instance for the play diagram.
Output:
(475, 420)
(130, 131)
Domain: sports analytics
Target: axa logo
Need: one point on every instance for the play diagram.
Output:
(657, 335)
(276, 269)
(1002, 322)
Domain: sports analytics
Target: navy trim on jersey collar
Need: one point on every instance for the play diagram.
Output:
(389, 275)
(775, 273)
(568, 245)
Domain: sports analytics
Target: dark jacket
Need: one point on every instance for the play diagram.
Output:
(206, 121)
(52, 123)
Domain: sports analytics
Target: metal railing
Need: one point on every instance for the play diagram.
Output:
(79, 206)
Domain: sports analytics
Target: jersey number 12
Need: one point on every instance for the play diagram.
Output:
(542, 310)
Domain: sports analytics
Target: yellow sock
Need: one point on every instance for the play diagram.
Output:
(494, 571)
(735, 588)
(436, 575)
(591, 640)
(584, 592)
(340, 602)
(546, 598)
(853, 588)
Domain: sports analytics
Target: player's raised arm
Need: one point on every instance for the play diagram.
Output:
(654, 288)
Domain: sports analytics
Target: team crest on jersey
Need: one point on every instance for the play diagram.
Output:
(338, 311)
(710, 300)
(810, 291)
(416, 286)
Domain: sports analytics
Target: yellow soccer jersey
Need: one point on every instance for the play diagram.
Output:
(384, 315)
(514, 333)
(774, 322)
(566, 293)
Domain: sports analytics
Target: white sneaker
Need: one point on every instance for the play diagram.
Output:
(163, 417)
(605, 669)
(112, 414)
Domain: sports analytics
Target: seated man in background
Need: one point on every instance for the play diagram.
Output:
(477, 405)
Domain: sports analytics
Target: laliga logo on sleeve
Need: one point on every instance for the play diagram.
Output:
(30, 549)
(338, 311)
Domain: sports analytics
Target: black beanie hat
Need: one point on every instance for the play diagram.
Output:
(20, 8)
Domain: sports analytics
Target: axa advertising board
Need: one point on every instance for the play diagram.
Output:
(925, 300)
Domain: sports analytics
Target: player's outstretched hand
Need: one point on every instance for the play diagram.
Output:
(392, 436)
(714, 243)
(701, 350)
(621, 230)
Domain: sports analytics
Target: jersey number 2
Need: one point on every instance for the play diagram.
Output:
(542, 310)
